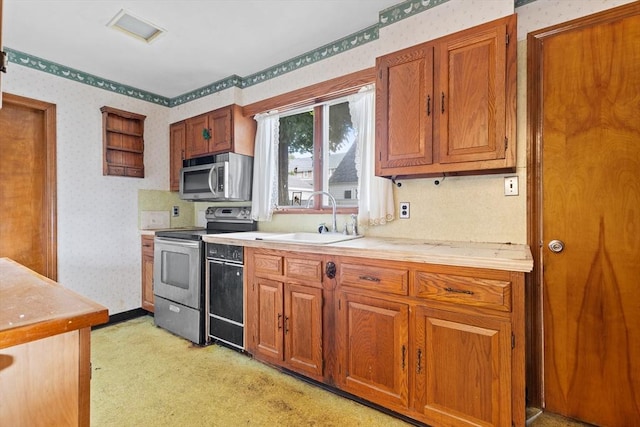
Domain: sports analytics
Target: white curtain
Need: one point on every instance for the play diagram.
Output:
(265, 166)
(375, 204)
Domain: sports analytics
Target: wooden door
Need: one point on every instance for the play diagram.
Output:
(221, 126)
(28, 183)
(177, 139)
(463, 368)
(198, 136)
(303, 329)
(404, 110)
(270, 319)
(586, 121)
(471, 94)
(375, 353)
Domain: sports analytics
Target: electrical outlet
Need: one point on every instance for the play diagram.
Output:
(176, 211)
(404, 210)
(511, 186)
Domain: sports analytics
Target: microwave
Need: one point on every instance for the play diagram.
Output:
(221, 177)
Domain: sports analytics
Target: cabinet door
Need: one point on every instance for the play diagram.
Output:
(373, 336)
(198, 136)
(463, 369)
(471, 95)
(404, 110)
(221, 127)
(177, 138)
(303, 329)
(268, 340)
(147, 273)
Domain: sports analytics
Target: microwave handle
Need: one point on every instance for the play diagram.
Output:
(213, 172)
(226, 180)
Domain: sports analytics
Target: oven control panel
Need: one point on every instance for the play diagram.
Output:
(229, 253)
(228, 214)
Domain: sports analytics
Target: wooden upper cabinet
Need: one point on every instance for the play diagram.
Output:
(448, 105)
(221, 122)
(404, 114)
(471, 86)
(177, 140)
(198, 136)
(220, 131)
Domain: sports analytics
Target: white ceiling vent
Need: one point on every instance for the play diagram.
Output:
(135, 27)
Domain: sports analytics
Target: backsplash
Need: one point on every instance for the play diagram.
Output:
(158, 200)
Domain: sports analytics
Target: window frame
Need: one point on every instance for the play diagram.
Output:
(309, 96)
(320, 149)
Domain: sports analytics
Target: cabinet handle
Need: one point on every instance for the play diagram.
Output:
(442, 102)
(369, 278)
(428, 105)
(286, 325)
(458, 291)
(419, 367)
(404, 354)
(279, 321)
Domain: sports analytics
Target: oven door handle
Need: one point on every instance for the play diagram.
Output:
(225, 262)
(177, 242)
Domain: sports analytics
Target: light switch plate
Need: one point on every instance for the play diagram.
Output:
(154, 220)
(511, 186)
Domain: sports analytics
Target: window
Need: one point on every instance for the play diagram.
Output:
(317, 153)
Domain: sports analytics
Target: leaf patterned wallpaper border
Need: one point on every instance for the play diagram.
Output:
(386, 17)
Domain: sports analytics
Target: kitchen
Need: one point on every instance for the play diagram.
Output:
(108, 209)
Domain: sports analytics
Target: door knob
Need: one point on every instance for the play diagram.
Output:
(556, 246)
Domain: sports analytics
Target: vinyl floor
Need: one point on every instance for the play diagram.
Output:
(145, 376)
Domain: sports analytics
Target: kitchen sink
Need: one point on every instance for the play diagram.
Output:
(310, 238)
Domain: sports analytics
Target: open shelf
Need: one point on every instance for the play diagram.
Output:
(123, 143)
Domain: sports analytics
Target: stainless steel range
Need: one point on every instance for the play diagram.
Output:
(179, 272)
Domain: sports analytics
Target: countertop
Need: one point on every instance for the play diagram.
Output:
(499, 256)
(33, 307)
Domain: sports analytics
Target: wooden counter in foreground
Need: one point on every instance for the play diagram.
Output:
(45, 347)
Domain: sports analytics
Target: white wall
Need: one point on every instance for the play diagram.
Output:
(98, 240)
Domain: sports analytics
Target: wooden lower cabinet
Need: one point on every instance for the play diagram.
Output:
(287, 329)
(463, 368)
(374, 348)
(443, 345)
(147, 273)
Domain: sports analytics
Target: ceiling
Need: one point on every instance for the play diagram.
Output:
(206, 40)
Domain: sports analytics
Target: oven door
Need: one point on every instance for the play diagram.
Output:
(177, 271)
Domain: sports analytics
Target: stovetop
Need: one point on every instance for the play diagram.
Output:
(219, 220)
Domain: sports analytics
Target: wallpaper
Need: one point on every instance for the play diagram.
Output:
(98, 216)
(98, 239)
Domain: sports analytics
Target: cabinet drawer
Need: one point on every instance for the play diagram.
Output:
(480, 292)
(267, 263)
(392, 280)
(306, 269)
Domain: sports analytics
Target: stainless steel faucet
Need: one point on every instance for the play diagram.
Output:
(354, 224)
(334, 225)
